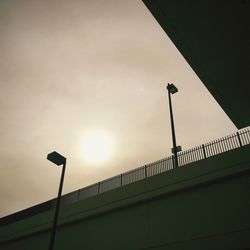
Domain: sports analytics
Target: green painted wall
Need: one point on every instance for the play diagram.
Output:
(204, 205)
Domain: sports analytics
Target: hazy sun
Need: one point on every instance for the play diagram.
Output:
(97, 147)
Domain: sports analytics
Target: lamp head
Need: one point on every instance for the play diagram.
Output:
(56, 158)
(171, 88)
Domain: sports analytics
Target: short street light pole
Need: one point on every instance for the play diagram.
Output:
(171, 90)
(58, 160)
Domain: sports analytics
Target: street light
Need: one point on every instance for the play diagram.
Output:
(172, 90)
(57, 159)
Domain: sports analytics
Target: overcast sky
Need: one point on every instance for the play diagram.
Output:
(71, 68)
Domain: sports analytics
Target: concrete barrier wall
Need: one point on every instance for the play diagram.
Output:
(204, 205)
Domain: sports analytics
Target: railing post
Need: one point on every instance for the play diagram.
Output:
(121, 180)
(238, 135)
(146, 174)
(204, 151)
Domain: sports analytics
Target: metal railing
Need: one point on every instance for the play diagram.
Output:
(224, 144)
(219, 146)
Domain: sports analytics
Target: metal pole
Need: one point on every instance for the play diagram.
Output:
(53, 232)
(238, 135)
(204, 151)
(173, 130)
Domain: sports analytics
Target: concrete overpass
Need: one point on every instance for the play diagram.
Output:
(202, 205)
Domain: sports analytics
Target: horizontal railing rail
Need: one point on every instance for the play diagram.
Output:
(219, 146)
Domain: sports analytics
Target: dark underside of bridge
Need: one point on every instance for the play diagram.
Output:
(214, 38)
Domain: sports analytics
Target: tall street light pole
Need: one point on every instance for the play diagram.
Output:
(172, 90)
(57, 159)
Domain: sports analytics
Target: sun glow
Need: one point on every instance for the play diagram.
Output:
(97, 147)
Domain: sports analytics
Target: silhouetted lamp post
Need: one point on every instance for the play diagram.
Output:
(58, 160)
(172, 90)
